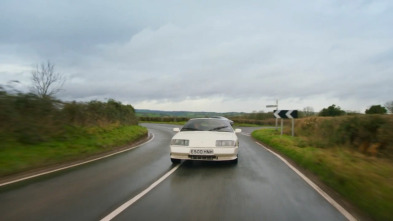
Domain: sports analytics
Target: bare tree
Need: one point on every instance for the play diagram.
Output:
(46, 83)
(308, 111)
(389, 106)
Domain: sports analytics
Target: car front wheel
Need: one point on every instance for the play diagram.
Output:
(235, 160)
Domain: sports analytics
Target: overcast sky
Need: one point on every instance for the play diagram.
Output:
(208, 55)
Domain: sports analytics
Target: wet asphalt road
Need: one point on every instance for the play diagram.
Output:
(259, 187)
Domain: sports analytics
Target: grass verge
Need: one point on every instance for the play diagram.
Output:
(366, 182)
(77, 143)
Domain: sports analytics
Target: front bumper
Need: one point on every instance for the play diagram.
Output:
(219, 154)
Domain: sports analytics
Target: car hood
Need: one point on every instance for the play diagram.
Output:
(204, 138)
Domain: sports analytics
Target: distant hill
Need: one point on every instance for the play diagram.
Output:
(188, 114)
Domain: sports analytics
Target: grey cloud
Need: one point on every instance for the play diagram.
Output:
(172, 51)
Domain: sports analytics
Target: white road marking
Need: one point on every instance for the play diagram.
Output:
(315, 187)
(140, 195)
(74, 165)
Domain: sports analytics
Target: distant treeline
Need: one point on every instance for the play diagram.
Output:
(260, 118)
(180, 114)
(27, 118)
(163, 119)
(239, 120)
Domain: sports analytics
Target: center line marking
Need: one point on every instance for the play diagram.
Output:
(137, 197)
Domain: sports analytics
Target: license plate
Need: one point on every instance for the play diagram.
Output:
(202, 152)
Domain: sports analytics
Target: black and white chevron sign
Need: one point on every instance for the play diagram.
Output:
(285, 113)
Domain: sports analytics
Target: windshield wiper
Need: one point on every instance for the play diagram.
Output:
(218, 128)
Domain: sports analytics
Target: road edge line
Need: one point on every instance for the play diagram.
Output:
(76, 164)
(336, 205)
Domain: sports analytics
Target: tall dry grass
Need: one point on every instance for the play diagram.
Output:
(368, 134)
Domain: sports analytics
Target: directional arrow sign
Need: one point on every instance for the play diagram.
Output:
(276, 113)
(288, 114)
(285, 113)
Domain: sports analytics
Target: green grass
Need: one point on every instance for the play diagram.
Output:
(367, 182)
(77, 143)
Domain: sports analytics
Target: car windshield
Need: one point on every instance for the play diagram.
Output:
(207, 125)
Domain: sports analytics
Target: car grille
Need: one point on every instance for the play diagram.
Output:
(195, 157)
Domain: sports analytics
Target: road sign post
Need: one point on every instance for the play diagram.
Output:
(285, 114)
(276, 106)
(293, 127)
(282, 123)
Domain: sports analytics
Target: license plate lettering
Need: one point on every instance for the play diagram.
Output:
(201, 152)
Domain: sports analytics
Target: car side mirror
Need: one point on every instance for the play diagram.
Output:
(238, 130)
(176, 129)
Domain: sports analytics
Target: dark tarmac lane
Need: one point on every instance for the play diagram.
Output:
(259, 187)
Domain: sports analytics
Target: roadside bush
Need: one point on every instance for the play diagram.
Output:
(99, 113)
(29, 119)
(270, 121)
(385, 136)
(369, 134)
(37, 131)
(315, 128)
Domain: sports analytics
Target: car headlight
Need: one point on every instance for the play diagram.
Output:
(225, 143)
(180, 142)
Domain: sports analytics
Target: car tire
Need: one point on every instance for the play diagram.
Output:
(175, 161)
(235, 160)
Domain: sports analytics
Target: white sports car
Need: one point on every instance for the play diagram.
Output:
(208, 139)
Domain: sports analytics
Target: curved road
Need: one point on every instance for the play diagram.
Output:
(259, 187)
